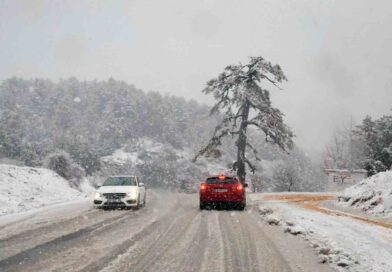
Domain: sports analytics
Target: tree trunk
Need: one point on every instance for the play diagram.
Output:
(290, 185)
(241, 143)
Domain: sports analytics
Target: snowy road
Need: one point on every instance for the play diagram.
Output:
(350, 242)
(170, 234)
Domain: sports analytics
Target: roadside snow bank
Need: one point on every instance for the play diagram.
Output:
(25, 188)
(373, 195)
(344, 243)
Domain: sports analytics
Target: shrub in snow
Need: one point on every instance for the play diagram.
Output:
(372, 194)
(295, 230)
(77, 174)
(324, 251)
(289, 223)
(61, 163)
(272, 220)
(265, 210)
(323, 258)
(333, 255)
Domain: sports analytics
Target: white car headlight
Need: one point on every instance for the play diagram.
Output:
(97, 195)
(131, 194)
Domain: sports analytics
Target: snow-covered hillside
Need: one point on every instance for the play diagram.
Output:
(373, 195)
(25, 188)
(152, 159)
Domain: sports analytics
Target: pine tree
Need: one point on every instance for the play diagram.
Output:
(376, 138)
(244, 104)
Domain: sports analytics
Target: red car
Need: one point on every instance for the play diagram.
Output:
(222, 190)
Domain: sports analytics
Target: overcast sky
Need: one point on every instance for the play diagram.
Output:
(336, 54)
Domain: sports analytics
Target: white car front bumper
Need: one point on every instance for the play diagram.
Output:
(127, 201)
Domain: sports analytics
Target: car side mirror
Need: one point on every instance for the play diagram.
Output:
(246, 185)
(141, 184)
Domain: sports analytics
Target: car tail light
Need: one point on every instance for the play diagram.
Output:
(240, 187)
(203, 187)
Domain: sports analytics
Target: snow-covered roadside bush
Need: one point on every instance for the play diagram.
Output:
(373, 195)
(62, 163)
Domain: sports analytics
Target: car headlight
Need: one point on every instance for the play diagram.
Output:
(131, 194)
(98, 195)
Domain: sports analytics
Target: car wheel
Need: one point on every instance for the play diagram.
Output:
(242, 206)
(202, 206)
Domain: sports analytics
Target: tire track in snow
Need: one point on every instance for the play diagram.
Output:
(149, 252)
(246, 247)
(213, 255)
(32, 255)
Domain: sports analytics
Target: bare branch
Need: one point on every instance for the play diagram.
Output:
(251, 166)
(214, 142)
(253, 123)
(255, 153)
(235, 132)
(270, 80)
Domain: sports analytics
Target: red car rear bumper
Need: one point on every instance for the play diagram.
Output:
(205, 198)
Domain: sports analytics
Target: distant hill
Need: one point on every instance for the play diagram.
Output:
(91, 119)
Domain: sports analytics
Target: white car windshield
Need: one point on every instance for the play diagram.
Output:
(120, 181)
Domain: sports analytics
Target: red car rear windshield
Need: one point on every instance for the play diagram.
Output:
(217, 180)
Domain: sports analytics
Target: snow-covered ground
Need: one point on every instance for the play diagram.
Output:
(345, 243)
(26, 188)
(372, 195)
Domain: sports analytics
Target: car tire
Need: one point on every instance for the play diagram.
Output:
(242, 206)
(202, 206)
(137, 203)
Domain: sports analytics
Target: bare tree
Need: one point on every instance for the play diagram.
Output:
(345, 150)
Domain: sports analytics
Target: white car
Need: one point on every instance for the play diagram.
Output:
(121, 191)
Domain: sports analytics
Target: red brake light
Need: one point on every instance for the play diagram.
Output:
(240, 187)
(221, 177)
(203, 187)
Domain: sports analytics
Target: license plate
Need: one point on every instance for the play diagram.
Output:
(221, 190)
(114, 201)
